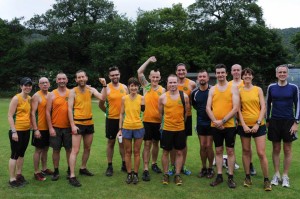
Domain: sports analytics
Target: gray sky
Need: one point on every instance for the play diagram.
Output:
(277, 13)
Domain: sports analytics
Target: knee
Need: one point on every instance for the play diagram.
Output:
(219, 152)
(179, 152)
(136, 152)
(230, 152)
(246, 152)
(111, 143)
(261, 154)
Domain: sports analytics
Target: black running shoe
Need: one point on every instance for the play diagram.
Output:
(15, 184)
(210, 173)
(146, 176)
(135, 179)
(109, 171)
(85, 172)
(20, 178)
(202, 173)
(55, 176)
(129, 178)
(74, 182)
(231, 183)
(155, 168)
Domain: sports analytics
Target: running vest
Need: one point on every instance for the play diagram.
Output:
(222, 105)
(41, 112)
(186, 89)
(132, 118)
(250, 105)
(151, 113)
(60, 117)
(22, 114)
(173, 119)
(114, 100)
(83, 107)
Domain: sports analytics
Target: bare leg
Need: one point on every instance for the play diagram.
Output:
(74, 152)
(128, 152)
(276, 157)
(287, 148)
(146, 153)
(87, 143)
(155, 150)
(136, 152)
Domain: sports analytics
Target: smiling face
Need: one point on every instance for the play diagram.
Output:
(282, 73)
(114, 76)
(172, 83)
(203, 78)
(26, 88)
(61, 80)
(154, 77)
(236, 71)
(44, 84)
(181, 72)
(247, 77)
(133, 88)
(81, 79)
(221, 74)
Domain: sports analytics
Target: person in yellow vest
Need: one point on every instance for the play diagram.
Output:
(112, 107)
(19, 133)
(58, 122)
(222, 105)
(152, 119)
(40, 136)
(252, 124)
(171, 108)
(81, 121)
(131, 128)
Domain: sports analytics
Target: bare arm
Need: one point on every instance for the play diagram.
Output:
(121, 116)
(103, 94)
(187, 105)
(209, 104)
(11, 111)
(235, 103)
(141, 70)
(161, 105)
(34, 105)
(262, 110)
(70, 111)
(48, 114)
(102, 106)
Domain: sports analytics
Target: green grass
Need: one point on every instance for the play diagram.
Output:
(101, 186)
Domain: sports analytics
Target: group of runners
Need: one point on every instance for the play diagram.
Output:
(63, 117)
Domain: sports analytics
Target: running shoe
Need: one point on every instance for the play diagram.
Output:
(185, 171)
(171, 170)
(231, 183)
(146, 176)
(177, 180)
(217, 181)
(203, 173)
(155, 168)
(285, 181)
(85, 172)
(210, 173)
(267, 186)
(20, 178)
(39, 177)
(109, 171)
(135, 179)
(15, 184)
(129, 178)
(252, 170)
(74, 182)
(47, 172)
(247, 182)
(276, 180)
(55, 176)
(166, 179)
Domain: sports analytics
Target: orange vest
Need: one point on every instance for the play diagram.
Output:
(83, 107)
(114, 100)
(60, 117)
(151, 113)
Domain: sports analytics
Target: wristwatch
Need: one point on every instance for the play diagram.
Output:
(223, 121)
(258, 122)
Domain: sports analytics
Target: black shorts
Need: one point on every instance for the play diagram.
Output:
(204, 130)
(18, 148)
(227, 134)
(85, 129)
(42, 142)
(152, 131)
(111, 128)
(260, 132)
(63, 138)
(280, 130)
(188, 126)
(173, 139)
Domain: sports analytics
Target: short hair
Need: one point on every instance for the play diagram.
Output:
(247, 71)
(218, 66)
(284, 66)
(80, 71)
(180, 64)
(113, 68)
(237, 65)
(133, 80)
(61, 73)
(172, 75)
(203, 71)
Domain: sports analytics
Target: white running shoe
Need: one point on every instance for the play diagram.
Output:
(285, 181)
(276, 180)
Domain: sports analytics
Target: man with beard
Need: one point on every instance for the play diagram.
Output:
(152, 119)
(115, 91)
(199, 100)
(58, 122)
(40, 137)
(81, 121)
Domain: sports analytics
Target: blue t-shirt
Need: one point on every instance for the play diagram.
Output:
(199, 100)
(282, 101)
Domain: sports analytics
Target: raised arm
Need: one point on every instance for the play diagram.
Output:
(143, 81)
(103, 94)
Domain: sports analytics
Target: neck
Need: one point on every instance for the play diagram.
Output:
(82, 88)
(115, 84)
(62, 89)
(44, 92)
(133, 94)
(222, 83)
(154, 87)
(24, 95)
(248, 85)
(282, 83)
(173, 92)
(181, 81)
(203, 87)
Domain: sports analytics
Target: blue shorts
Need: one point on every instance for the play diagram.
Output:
(133, 133)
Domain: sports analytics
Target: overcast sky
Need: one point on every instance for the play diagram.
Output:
(277, 13)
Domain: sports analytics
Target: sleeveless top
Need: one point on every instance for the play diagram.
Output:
(22, 114)
(60, 117)
(173, 119)
(250, 106)
(151, 113)
(41, 113)
(83, 107)
(222, 105)
(186, 89)
(114, 100)
(132, 118)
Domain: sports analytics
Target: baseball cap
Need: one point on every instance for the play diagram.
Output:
(25, 80)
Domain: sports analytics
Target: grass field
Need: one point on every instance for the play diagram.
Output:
(101, 186)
